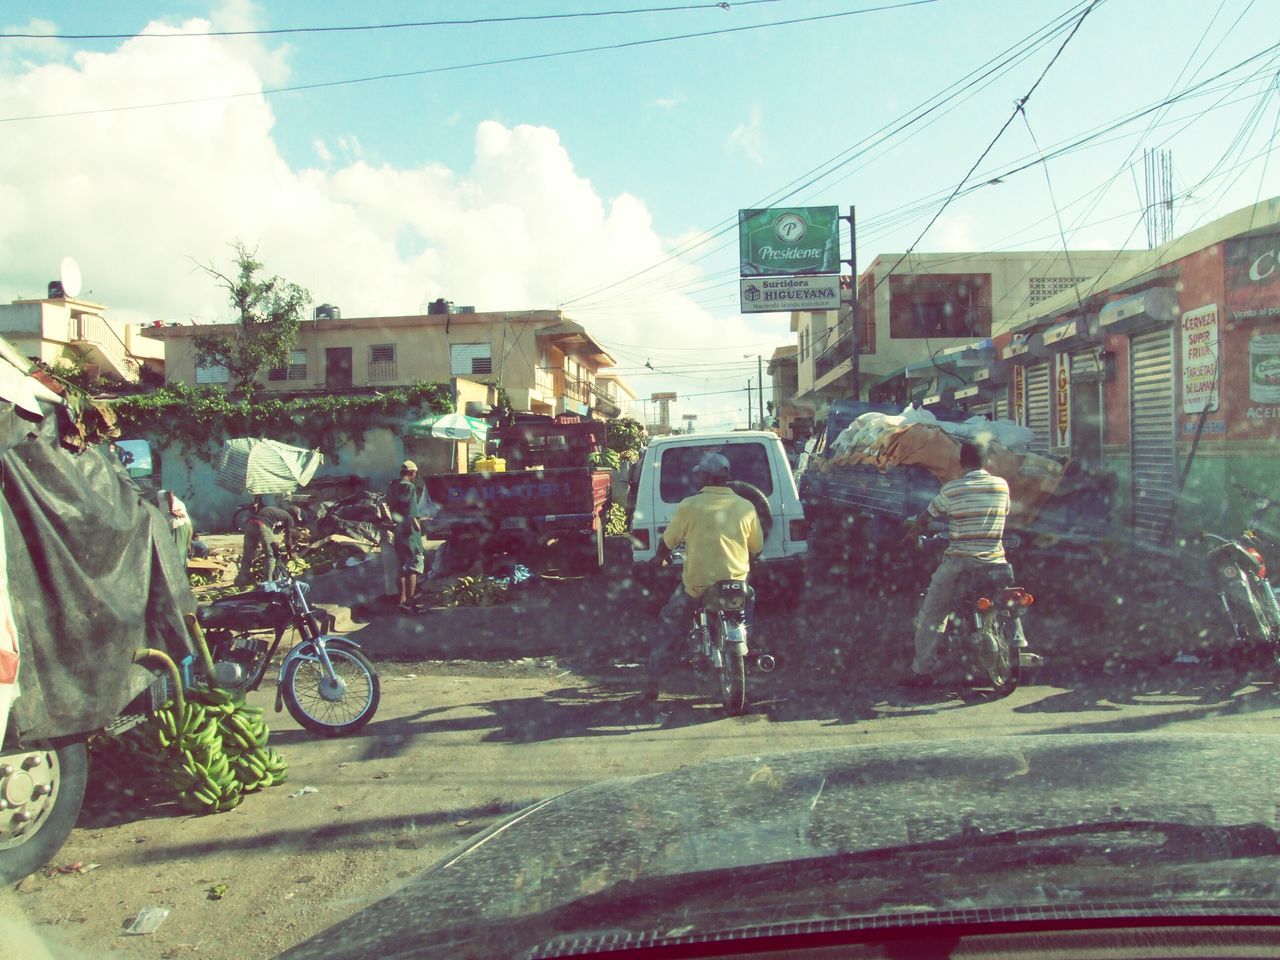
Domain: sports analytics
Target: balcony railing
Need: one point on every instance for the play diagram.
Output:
(92, 329)
(577, 390)
(842, 350)
(606, 405)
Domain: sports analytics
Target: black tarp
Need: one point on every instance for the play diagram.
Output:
(94, 575)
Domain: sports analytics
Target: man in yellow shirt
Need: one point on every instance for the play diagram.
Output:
(720, 532)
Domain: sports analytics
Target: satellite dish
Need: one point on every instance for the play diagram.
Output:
(69, 275)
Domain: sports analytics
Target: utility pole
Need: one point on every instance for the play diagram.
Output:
(760, 381)
(749, 407)
(856, 333)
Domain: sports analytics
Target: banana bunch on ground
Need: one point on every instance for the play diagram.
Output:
(207, 759)
(472, 592)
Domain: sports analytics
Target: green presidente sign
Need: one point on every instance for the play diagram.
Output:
(789, 240)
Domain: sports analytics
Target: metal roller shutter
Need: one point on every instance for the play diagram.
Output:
(1038, 406)
(1000, 405)
(1152, 419)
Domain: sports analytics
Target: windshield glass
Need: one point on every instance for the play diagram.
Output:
(362, 368)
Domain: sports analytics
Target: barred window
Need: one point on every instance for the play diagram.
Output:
(1043, 288)
(296, 369)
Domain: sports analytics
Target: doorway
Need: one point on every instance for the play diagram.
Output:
(337, 368)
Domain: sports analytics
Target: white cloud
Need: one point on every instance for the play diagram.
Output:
(749, 137)
(670, 103)
(18, 53)
(142, 197)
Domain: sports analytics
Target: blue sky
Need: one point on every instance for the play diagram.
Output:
(553, 181)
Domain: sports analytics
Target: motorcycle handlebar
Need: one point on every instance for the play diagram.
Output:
(1255, 495)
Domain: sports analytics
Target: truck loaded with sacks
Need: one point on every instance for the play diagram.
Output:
(874, 466)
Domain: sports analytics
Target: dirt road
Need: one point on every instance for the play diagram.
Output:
(455, 746)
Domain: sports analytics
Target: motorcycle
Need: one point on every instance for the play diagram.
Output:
(328, 685)
(1239, 571)
(983, 631)
(719, 634)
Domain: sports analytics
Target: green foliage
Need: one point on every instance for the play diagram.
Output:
(201, 418)
(616, 521)
(604, 460)
(627, 437)
(270, 312)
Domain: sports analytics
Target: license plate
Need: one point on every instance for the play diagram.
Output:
(514, 523)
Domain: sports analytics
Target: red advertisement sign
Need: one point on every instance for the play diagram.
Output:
(1251, 338)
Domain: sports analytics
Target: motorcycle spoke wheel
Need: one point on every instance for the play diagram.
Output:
(733, 681)
(998, 654)
(305, 685)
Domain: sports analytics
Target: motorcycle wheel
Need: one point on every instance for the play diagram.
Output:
(304, 684)
(53, 817)
(733, 681)
(999, 656)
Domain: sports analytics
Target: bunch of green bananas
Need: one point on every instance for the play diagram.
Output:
(244, 740)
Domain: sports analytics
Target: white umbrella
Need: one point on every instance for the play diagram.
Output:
(450, 426)
(266, 466)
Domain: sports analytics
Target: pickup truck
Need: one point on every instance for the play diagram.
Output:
(860, 510)
(547, 493)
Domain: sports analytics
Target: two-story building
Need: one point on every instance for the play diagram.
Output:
(914, 308)
(546, 362)
(61, 330)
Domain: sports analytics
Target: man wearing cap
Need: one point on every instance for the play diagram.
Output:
(720, 532)
(402, 498)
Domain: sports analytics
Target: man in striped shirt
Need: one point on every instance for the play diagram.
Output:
(975, 506)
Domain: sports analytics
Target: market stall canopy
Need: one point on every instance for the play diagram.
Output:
(450, 426)
(266, 466)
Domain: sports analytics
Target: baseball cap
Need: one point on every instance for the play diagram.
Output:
(713, 464)
(409, 465)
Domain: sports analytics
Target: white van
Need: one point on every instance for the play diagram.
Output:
(664, 476)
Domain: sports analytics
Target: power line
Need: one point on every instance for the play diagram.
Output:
(500, 61)
(367, 27)
(885, 132)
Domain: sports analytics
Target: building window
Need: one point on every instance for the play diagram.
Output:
(940, 306)
(212, 373)
(469, 359)
(382, 361)
(1044, 288)
(296, 370)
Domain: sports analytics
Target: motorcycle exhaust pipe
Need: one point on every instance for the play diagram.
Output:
(766, 663)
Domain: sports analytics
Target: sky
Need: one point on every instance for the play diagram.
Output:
(593, 156)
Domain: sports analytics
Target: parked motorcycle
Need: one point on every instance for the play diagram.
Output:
(1239, 572)
(326, 682)
(983, 631)
(719, 634)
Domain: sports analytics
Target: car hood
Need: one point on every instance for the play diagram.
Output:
(630, 855)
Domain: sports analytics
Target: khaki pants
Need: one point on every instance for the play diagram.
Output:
(934, 610)
(257, 537)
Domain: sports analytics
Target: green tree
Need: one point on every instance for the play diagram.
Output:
(269, 314)
(627, 436)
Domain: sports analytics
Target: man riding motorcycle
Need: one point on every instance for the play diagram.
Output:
(975, 506)
(721, 533)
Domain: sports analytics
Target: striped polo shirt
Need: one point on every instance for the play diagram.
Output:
(976, 506)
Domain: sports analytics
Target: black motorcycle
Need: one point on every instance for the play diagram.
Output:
(326, 682)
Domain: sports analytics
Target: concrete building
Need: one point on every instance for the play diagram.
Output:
(913, 308)
(1163, 372)
(547, 363)
(64, 329)
(794, 422)
(615, 398)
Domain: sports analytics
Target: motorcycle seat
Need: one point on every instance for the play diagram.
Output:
(984, 581)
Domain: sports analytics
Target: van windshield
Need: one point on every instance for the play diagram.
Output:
(749, 462)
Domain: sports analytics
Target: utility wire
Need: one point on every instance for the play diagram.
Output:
(367, 27)
(1005, 126)
(404, 74)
